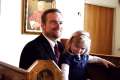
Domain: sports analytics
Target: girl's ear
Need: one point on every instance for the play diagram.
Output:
(68, 45)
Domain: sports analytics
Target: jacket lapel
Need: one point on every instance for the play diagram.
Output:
(46, 45)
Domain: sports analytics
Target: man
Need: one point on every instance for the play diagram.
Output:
(42, 48)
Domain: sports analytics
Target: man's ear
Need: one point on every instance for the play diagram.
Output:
(42, 26)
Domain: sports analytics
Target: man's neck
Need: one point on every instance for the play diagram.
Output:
(52, 39)
(47, 37)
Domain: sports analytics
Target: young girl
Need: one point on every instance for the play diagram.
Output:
(76, 56)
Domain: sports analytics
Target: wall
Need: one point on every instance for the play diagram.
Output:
(0, 7)
(106, 3)
(116, 39)
(73, 15)
(116, 29)
(11, 39)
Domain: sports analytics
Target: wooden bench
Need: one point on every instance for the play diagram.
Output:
(100, 72)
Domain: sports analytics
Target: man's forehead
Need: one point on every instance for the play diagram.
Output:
(54, 15)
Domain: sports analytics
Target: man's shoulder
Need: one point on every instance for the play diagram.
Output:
(37, 40)
(34, 42)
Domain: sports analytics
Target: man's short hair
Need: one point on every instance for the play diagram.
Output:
(43, 17)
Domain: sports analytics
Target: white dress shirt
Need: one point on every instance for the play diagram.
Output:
(52, 43)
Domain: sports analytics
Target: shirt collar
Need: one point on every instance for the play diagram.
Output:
(52, 43)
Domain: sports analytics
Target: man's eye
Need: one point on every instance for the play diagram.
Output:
(60, 22)
(56, 22)
(82, 48)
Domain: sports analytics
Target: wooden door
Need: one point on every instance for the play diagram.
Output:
(99, 23)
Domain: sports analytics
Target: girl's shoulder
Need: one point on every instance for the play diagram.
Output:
(67, 55)
(65, 58)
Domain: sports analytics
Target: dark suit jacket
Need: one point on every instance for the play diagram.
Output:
(38, 49)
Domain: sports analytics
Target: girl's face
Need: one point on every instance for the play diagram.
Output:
(77, 47)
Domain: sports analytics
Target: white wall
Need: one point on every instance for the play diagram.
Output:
(105, 3)
(0, 7)
(11, 39)
(72, 21)
(116, 38)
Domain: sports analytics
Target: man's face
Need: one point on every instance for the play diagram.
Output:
(53, 26)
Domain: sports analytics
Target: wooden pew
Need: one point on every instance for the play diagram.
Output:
(9, 72)
(112, 58)
(39, 70)
(100, 72)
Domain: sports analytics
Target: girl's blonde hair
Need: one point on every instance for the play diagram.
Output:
(79, 36)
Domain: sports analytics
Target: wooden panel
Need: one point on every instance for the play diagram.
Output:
(99, 22)
(44, 70)
(39, 70)
(9, 72)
